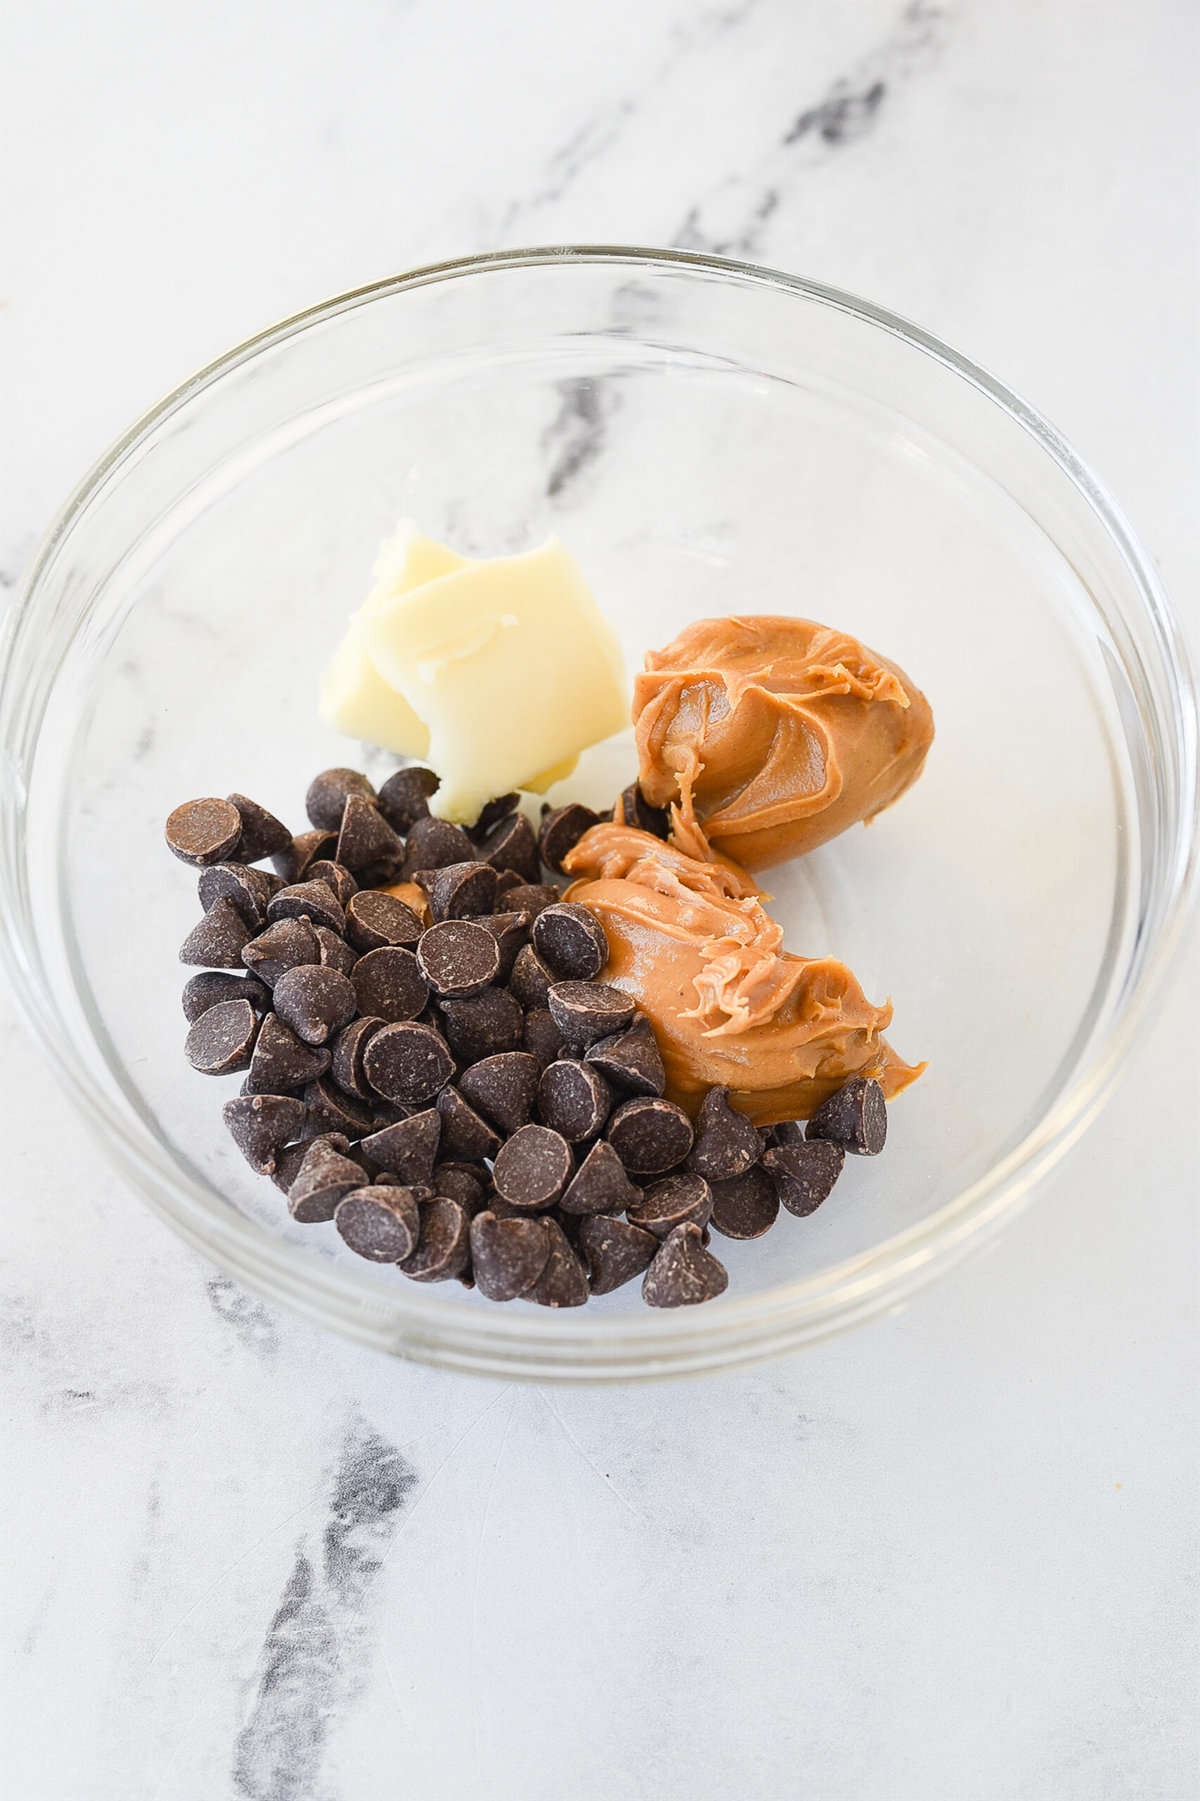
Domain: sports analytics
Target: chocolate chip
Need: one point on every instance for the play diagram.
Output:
(260, 1124)
(615, 1251)
(600, 1185)
(212, 986)
(789, 1131)
(631, 1059)
(315, 1002)
(335, 952)
(217, 942)
(404, 797)
(507, 1255)
(308, 900)
(328, 793)
(324, 1176)
(375, 920)
(562, 1282)
(289, 1159)
(366, 837)
(541, 1037)
(435, 844)
(683, 1272)
(465, 1133)
(222, 1039)
(285, 945)
(329, 1110)
(381, 1223)
(261, 835)
(502, 807)
(585, 1011)
(675, 1201)
(465, 1183)
(650, 1135)
(570, 941)
(636, 810)
(727, 1143)
(532, 1168)
(281, 1062)
(348, 1048)
(249, 889)
(337, 879)
(561, 831)
(855, 1117)
(744, 1206)
(459, 890)
(527, 897)
(804, 1174)
(482, 1026)
(409, 1148)
(530, 980)
(512, 845)
(204, 831)
(574, 1099)
(408, 1062)
(444, 1245)
(308, 848)
(389, 984)
(502, 1088)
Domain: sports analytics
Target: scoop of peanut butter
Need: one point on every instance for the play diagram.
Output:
(767, 736)
(691, 941)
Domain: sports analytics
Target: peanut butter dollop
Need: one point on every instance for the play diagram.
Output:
(767, 736)
(691, 941)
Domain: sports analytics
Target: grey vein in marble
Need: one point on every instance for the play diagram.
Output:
(576, 435)
(252, 1322)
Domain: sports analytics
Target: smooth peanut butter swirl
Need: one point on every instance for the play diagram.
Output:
(767, 736)
(691, 940)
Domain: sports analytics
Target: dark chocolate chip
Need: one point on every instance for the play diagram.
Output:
(804, 1174)
(512, 845)
(585, 1011)
(308, 848)
(527, 897)
(650, 1135)
(530, 980)
(248, 889)
(744, 1206)
(727, 1143)
(789, 1131)
(366, 838)
(381, 1223)
(459, 890)
(409, 1148)
(561, 831)
(507, 1255)
(562, 1282)
(348, 1048)
(408, 1062)
(315, 1002)
(329, 1110)
(675, 1201)
(482, 1025)
(636, 810)
(222, 1039)
(444, 1245)
(328, 793)
(308, 900)
(570, 941)
(374, 920)
(466, 1183)
(435, 844)
(335, 952)
(324, 1176)
(574, 1099)
(601, 1184)
(541, 1036)
(217, 942)
(506, 881)
(532, 1168)
(285, 945)
(389, 984)
(281, 1062)
(511, 932)
(493, 811)
(465, 1133)
(855, 1117)
(615, 1251)
(260, 1124)
(337, 879)
(683, 1272)
(404, 797)
(289, 1159)
(631, 1059)
(262, 835)
(204, 831)
(502, 1088)
(212, 986)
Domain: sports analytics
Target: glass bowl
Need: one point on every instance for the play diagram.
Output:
(706, 437)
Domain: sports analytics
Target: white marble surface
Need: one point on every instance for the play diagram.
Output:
(952, 1555)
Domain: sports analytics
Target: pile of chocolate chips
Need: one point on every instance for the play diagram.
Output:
(451, 1084)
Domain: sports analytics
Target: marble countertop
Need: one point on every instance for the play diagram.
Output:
(948, 1555)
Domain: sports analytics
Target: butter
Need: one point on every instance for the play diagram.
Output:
(496, 672)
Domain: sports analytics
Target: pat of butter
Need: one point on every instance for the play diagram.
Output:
(495, 672)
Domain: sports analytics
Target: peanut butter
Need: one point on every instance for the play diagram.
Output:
(691, 941)
(767, 736)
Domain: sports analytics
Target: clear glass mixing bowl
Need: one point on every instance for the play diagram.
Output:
(707, 438)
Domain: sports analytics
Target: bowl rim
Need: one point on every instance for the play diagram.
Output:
(544, 1347)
